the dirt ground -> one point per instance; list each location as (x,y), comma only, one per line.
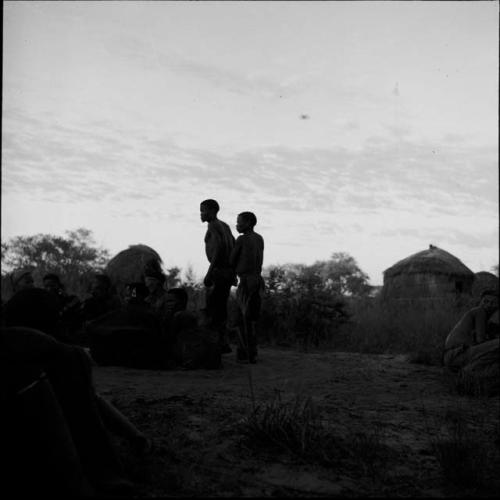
(389,410)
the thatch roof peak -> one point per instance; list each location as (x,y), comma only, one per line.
(434,260)
(140,248)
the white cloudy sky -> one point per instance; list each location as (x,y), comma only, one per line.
(121,117)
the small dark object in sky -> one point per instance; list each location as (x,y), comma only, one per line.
(304,117)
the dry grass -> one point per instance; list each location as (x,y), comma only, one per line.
(292,426)
(461,457)
(418,329)
(460,448)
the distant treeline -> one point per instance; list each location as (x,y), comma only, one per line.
(329,303)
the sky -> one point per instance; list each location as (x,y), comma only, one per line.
(369,128)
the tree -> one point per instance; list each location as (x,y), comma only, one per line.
(173,278)
(71,256)
(342,274)
(495,269)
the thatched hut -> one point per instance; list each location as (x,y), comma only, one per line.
(429,274)
(483,280)
(128,266)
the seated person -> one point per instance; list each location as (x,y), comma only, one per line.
(29,350)
(473,344)
(101,301)
(154,281)
(21,279)
(176,300)
(192,344)
(43,310)
(128,336)
(68,305)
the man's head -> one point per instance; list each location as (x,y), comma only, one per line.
(22,279)
(245,222)
(489,300)
(154,280)
(52,283)
(33,308)
(100,286)
(208,210)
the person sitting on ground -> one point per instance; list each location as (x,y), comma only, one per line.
(176,300)
(156,298)
(21,279)
(129,336)
(28,346)
(36,308)
(473,346)
(101,301)
(246,259)
(69,305)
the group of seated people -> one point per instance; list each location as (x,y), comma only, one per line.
(57,430)
(147,327)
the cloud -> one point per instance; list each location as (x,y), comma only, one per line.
(152,57)
(422,189)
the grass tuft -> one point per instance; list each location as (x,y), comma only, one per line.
(292,426)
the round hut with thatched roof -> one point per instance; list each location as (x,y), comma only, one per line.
(128,266)
(429,274)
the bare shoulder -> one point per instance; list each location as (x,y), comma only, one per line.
(477,312)
(258,237)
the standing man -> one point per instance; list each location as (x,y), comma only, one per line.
(219,242)
(246,259)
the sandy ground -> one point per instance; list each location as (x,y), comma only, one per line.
(387,409)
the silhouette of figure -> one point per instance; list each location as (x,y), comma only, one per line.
(101,300)
(473,347)
(246,259)
(154,281)
(30,352)
(21,279)
(68,305)
(219,242)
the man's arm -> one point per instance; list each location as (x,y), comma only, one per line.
(216,247)
(480,325)
(235,254)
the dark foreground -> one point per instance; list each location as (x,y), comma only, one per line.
(389,428)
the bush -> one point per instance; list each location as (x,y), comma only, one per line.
(416,328)
(301,318)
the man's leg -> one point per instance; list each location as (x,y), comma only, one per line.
(253,316)
(217,312)
(456,358)
(483,367)
(242,353)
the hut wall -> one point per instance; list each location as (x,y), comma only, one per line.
(415,286)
